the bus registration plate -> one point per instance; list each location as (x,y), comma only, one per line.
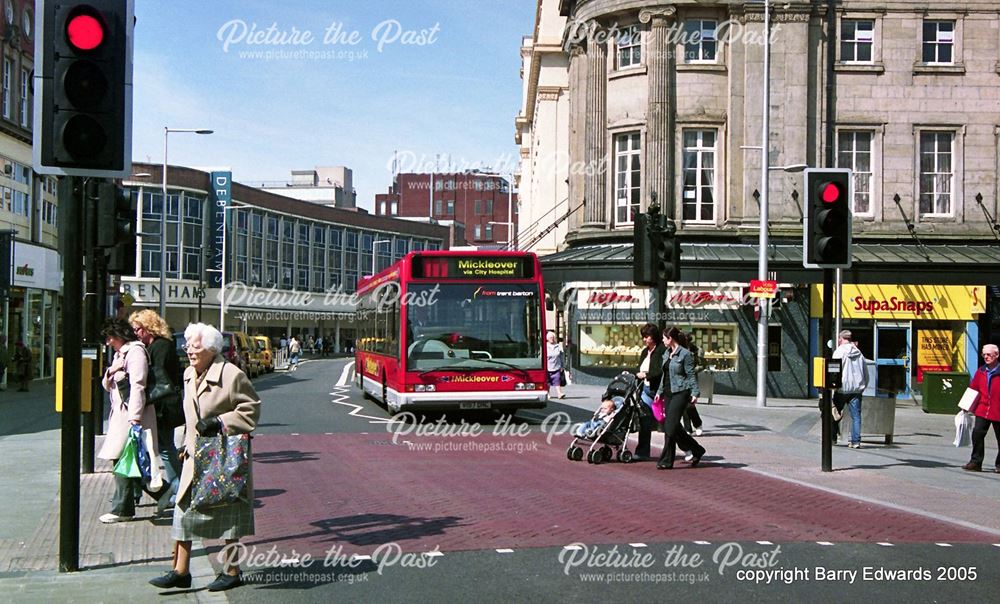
(474,405)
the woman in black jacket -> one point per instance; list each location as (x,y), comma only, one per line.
(153,331)
(650,371)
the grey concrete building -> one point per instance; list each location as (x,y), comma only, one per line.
(667,97)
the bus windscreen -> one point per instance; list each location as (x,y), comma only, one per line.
(473,326)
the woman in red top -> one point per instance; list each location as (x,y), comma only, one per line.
(987,410)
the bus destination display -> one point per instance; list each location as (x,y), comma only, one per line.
(473,267)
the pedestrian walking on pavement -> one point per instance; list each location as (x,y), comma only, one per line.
(125,381)
(987,409)
(223,398)
(294,350)
(556,363)
(650,371)
(853,381)
(679,387)
(692,419)
(165,370)
(23,365)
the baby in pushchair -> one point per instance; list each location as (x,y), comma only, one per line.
(591,429)
(608,429)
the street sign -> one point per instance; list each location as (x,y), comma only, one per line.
(763,289)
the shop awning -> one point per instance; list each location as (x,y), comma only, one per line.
(942,264)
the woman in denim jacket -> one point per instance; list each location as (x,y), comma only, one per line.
(679,387)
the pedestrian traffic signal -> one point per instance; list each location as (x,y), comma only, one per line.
(83,88)
(826,229)
(666,252)
(116,232)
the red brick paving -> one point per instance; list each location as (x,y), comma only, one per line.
(354,491)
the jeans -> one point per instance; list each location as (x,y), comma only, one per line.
(171,465)
(852,401)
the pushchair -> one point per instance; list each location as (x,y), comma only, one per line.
(609,441)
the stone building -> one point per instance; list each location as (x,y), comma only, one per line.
(667,98)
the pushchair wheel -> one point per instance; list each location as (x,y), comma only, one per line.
(625,456)
(594,456)
(606,453)
(574,453)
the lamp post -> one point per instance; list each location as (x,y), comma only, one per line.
(163,216)
(374,251)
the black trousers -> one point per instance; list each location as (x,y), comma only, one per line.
(675,435)
(979,432)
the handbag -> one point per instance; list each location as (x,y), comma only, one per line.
(658,410)
(562,377)
(221,469)
(127,465)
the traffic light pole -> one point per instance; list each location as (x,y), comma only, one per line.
(71,198)
(827,353)
(90,311)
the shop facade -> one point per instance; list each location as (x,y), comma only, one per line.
(31,312)
(604,319)
(908,330)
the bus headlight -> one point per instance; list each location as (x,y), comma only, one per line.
(424,388)
(524,386)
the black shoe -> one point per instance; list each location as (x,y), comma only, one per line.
(224,582)
(663,466)
(172,579)
(638,457)
(973,467)
(696,461)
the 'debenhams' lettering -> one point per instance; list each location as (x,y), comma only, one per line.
(893,304)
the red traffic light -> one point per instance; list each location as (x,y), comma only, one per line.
(85,31)
(829,192)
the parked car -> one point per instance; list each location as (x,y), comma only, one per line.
(266,354)
(247,348)
(230,350)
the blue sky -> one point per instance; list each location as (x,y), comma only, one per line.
(456,95)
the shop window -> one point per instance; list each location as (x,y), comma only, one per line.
(717,343)
(616,346)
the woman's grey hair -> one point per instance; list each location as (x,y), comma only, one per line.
(211,338)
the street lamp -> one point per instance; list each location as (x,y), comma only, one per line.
(374,254)
(163,217)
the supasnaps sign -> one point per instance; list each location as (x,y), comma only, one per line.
(906,302)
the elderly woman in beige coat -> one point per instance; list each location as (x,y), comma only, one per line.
(125,381)
(218,398)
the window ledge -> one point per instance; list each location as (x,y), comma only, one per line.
(859,67)
(925,69)
(937,218)
(627,72)
(720,67)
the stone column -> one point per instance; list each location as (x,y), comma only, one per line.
(596,135)
(659,157)
(577,145)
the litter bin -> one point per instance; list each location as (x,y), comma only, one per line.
(706,384)
(878,416)
(942,390)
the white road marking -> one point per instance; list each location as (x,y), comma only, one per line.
(505,551)
(433,554)
(943,544)
(340,398)
(637,544)
(764,543)
(345,373)
(572,548)
(885,544)
(357,557)
(823,543)
(703,543)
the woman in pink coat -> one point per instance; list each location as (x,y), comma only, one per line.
(125,380)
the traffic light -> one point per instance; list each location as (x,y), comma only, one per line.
(826,231)
(642,253)
(83,88)
(116,232)
(666,251)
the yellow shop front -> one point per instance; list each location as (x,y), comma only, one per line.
(906,330)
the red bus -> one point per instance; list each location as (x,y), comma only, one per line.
(453,330)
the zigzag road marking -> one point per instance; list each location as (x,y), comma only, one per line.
(340,397)
(345,374)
